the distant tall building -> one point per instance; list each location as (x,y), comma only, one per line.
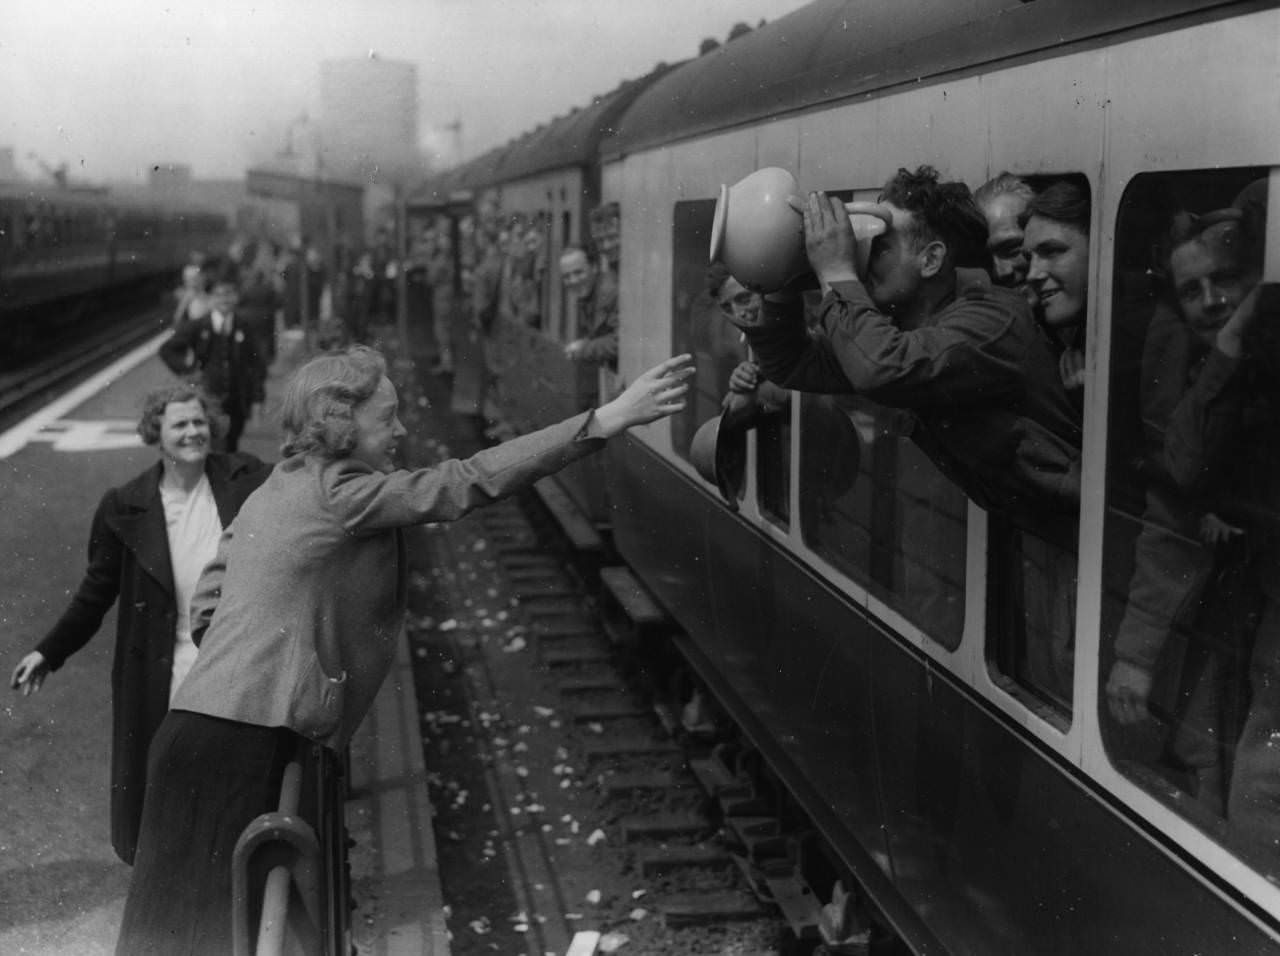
(369,114)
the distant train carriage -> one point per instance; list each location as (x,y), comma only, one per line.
(58,246)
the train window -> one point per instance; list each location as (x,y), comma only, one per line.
(1191,571)
(704,298)
(773,461)
(1032,559)
(564,328)
(700,325)
(875,507)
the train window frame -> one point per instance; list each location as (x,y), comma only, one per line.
(876,573)
(1004,660)
(956,657)
(1164,810)
(691,301)
(773,435)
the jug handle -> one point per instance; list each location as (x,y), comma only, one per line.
(878,210)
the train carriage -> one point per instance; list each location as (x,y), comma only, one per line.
(60,246)
(544,183)
(853,610)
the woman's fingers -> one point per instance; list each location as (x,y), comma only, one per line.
(673,364)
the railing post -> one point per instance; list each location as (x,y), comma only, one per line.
(287,848)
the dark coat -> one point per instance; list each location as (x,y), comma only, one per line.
(129,559)
(231,367)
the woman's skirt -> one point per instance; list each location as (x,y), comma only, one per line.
(207,779)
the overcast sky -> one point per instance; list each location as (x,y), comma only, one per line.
(112,86)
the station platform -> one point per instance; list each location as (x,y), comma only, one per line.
(62,889)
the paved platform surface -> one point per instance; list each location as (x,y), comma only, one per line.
(61,887)
(399,906)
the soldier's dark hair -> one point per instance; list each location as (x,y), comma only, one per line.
(1062,201)
(943,212)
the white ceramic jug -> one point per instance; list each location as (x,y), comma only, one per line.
(760,238)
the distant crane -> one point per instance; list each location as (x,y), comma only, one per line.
(57,173)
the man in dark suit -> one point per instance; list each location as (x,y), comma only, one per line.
(224,355)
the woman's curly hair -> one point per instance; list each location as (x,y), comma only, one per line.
(319,402)
(156,402)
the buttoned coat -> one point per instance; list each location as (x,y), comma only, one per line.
(129,560)
(236,376)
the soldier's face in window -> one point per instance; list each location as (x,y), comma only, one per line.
(578,275)
(894,265)
(606,236)
(739,303)
(1004,239)
(1058,270)
(1210,280)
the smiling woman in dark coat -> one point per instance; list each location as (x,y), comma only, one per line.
(149,541)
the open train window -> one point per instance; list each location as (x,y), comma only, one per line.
(1032,559)
(773,463)
(1191,574)
(700,326)
(875,507)
(704,299)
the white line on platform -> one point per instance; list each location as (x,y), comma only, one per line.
(20,434)
(584,943)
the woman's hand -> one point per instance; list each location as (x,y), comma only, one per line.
(30,673)
(655,394)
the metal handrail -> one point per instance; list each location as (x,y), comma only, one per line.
(298,879)
(275,899)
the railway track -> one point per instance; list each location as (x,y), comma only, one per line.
(609,795)
(69,357)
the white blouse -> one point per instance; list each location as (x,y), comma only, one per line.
(194,528)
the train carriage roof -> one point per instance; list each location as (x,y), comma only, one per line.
(831,50)
(571,140)
(574,140)
(456,184)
